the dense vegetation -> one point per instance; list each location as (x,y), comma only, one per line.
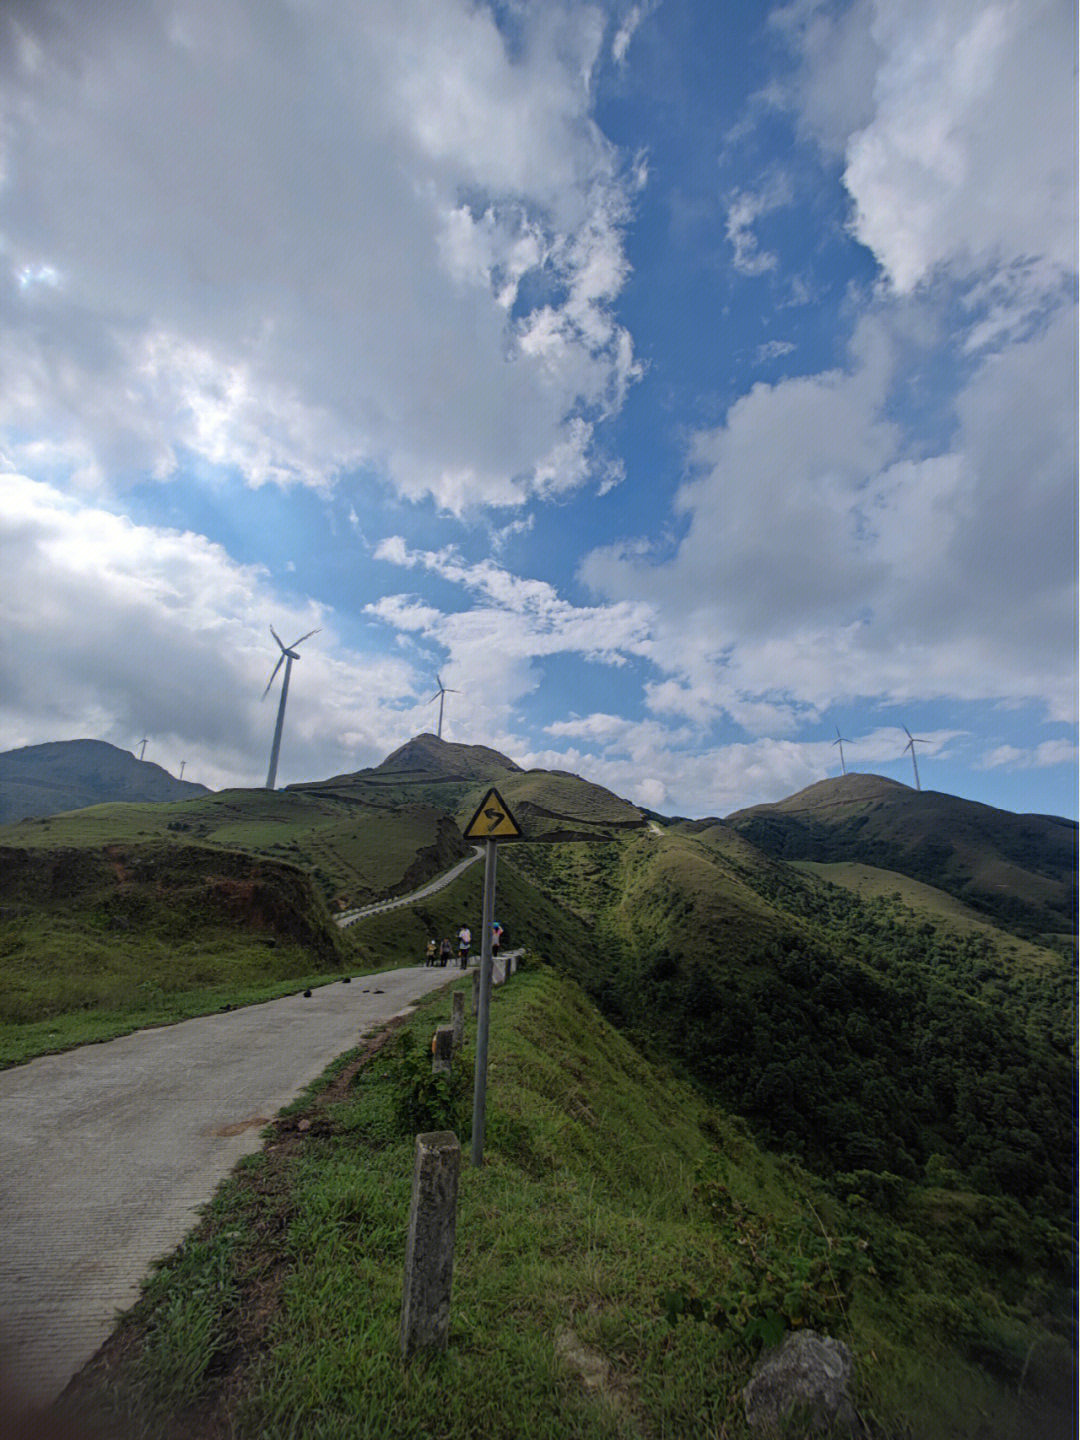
(849,1032)
(1018,869)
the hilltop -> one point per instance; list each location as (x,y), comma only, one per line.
(1018,869)
(548,804)
(72,774)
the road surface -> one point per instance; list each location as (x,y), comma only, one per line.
(350,917)
(109,1151)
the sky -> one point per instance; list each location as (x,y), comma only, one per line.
(683,385)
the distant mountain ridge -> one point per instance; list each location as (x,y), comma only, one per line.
(1019,869)
(48,779)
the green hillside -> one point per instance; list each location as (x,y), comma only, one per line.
(853,1032)
(913,1057)
(1020,870)
(621,1259)
(71,774)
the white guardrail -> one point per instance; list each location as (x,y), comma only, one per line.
(350,917)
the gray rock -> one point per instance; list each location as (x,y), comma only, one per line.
(803,1382)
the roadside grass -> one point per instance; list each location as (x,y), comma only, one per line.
(612,1202)
(69,976)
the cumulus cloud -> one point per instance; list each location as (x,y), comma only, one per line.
(118,630)
(956,120)
(301,240)
(822,562)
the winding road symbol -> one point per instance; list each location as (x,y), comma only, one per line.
(493,820)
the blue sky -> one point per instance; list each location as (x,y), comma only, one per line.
(683,383)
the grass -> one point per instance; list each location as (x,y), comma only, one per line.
(611,1195)
(101,962)
(356,852)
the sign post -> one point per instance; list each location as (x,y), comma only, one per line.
(491,823)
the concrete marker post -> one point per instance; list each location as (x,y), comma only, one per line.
(442,1050)
(480,1084)
(457,1021)
(475,992)
(429,1251)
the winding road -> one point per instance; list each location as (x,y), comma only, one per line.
(350,917)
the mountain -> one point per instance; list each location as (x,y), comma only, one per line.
(799,963)
(72,774)
(548,804)
(1018,869)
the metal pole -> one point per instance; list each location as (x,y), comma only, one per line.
(480,1085)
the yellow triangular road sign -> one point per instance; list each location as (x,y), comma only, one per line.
(492,820)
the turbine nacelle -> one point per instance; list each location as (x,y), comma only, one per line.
(288,652)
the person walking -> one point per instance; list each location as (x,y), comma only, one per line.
(496,937)
(429,954)
(445,951)
(464,940)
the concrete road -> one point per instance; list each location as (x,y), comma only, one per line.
(350,917)
(109,1150)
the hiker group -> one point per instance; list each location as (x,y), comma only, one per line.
(441,952)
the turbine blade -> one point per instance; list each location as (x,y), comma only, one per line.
(302,639)
(434,697)
(277,637)
(277,667)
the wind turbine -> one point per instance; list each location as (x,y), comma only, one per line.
(840,739)
(912,741)
(441,695)
(182,764)
(142,747)
(287,656)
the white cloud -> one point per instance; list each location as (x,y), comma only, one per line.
(117,630)
(295,242)
(1014,757)
(821,564)
(957,121)
(772,350)
(745,208)
(494,648)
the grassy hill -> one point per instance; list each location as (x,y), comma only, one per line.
(912,1056)
(71,774)
(614,1206)
(1020,870)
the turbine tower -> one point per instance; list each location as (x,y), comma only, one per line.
(182,764)
(441,695)
(142,747)
(841,740)
(287,656)
(912,741)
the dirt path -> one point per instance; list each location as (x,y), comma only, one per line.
(110,1149)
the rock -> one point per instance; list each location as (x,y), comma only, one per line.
(803,1380)
(303,1125)
(307,994)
